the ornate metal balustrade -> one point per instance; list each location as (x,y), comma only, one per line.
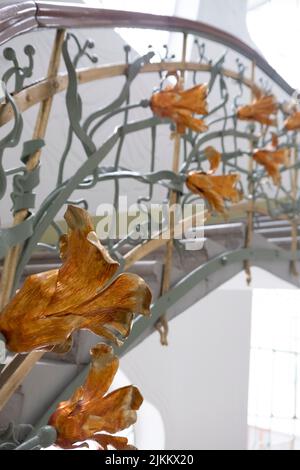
(228,88)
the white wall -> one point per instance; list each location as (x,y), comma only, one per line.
(200,382)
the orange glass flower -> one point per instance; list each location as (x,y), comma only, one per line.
(272,158)
(215,189)
(263,110)
(91,411)
(214,157)
(293,122)
(180,105)
(80,295)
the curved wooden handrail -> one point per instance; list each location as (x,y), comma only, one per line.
(16,18)
(20,16)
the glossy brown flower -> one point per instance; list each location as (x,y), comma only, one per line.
(263,110)
(271,158)
(91,411)
(293,122)
(80,295)
(180,106)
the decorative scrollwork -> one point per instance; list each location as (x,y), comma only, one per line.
(223,126)
(23,185)
(236,142)
(19,74)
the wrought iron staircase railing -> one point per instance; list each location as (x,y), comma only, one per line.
(207,270)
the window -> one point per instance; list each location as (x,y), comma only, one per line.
(274,398)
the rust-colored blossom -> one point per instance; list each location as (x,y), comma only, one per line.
(215,189)
(263,110)
(180,105)
(91,413)
(80,295)
(272,157)
(293,122)
(214,157)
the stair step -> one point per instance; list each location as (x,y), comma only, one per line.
(272,223)
(282,240)
(284,231)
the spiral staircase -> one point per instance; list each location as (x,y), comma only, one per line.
(194,274)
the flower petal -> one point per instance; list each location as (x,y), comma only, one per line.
(215,189)
(214,157)
(281,156)
(51,306)
(117,411)
(225,186)
(40,334)
(89,412)
(114,306)
(118,443)
(260,110)
(194,99)
(23,312)
(293,122)
(103,369)
(179,106)
(271,160)
(184,119)
(87,265)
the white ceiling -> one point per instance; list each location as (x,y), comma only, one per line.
(252,4)
(274,27)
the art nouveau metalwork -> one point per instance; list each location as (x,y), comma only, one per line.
(247,135)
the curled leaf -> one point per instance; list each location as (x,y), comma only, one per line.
(180,105)
(91,413)
(80,295)
(263,110)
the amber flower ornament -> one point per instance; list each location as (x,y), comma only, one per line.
(180,106)
(215,189)
(91,413)
(214,158)
(293,122)
(82,294)
(263,110)
(272,158)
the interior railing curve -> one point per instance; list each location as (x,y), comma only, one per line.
(230,89)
